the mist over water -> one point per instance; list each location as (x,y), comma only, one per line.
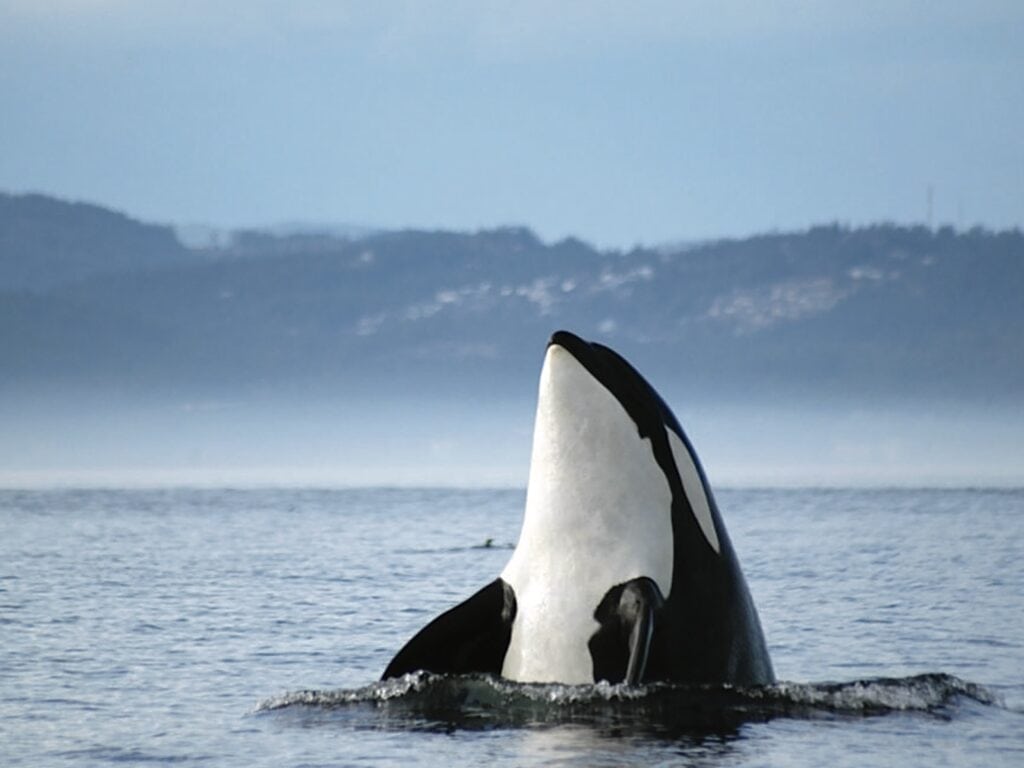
(926,444)
(473,442)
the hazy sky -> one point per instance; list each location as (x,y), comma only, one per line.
(619,122)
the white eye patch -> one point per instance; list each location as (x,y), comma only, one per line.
(694,489)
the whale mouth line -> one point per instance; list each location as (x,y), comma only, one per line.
(424,700)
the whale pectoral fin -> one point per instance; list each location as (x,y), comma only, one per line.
(471,637)
(620,648)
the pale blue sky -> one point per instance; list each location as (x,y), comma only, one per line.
(619,122)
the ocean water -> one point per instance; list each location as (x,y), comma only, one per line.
(248,628)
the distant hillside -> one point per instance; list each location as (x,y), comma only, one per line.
(46,242)
(88,296)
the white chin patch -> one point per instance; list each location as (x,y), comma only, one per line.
(598,513)
(694,488)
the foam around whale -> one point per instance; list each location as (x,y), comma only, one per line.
(473,702)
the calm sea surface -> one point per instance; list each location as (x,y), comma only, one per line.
(247,628)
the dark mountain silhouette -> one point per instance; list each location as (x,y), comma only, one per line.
(89,297)
(46,242)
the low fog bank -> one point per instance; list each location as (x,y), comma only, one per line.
(266,441)
(938,444)
(478,442)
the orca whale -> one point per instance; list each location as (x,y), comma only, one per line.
(624,571)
